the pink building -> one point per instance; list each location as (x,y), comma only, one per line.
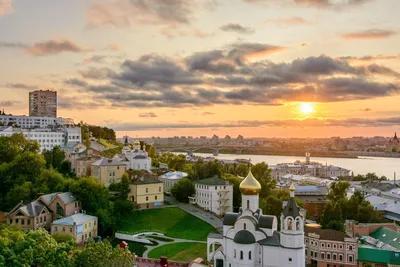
(60,204)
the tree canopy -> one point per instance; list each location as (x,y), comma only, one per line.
(183,189)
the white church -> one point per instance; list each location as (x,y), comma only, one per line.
(252,239)
(136,158)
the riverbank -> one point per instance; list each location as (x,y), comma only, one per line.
(270,153)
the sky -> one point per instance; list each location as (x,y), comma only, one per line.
(259,68)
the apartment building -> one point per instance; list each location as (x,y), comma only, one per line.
(31,216)
(35,122)
(146,192)
(80,226)
(214,194)
(43,103)
(83,166)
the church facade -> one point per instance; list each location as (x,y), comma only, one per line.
(252,239)
(134,158)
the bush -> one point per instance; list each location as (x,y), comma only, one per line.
(62,237)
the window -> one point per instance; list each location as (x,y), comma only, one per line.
(63,228)
(147,190)
(323,245)
(155,197)
(334,257)
(322,256)
(216,188)
(147,198)
(328,256)
(159,189)
(248,204)
(290,259)
(350,248)
(22,221)
(41,219)
(76,204)
(249,255)
(328,245)
(340,246)
(334,246)
(55,228)
(340,257)
(45,218)
(241,255)
(70,229)
(28,222)
(244,226)
(234,253)
(350,258)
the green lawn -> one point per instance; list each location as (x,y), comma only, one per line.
(134,247)
(172,222)
(107,144)
(180,251)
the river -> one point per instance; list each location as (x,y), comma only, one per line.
(362,165)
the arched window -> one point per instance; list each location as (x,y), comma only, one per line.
(234,253)
(289,224)
(244,226)
(241,255)
(248,204)
(297,225)
(249,255)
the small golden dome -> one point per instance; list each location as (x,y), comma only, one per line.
(250,185)
(292,188)
(137,143)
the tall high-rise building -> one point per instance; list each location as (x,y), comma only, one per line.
(43,103)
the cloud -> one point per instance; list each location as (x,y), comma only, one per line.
(287,123)
(314,3)
(5,6)
(21,86)
(122,13)
(382,70)
(366,109)
(370,58)
(231,27)
(4,104)
(96,73)
(13,45)
(369,34)
(95,59)
(76,82)
(292,21)
(147,115)
(52,47)
(249,50)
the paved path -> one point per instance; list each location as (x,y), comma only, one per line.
(199,213)
(160,243)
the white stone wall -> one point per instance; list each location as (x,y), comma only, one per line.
(215,198)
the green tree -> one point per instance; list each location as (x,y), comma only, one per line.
(152,151)
(54,158)
(19,193)
(237,195)
(122,188)
(338,191)
(242,170)
(103,254)
(263,174)
(182,190)
(331,217)
(50,181)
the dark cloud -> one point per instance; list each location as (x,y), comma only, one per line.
(314,3)
(15,45)
(20,86)
(232,27)
(369,34)
(212,62)
(147,115)
(78,102)
(288,123)
(96,73)
(95,59)
(52,47)
(5,104)
(370,57)
(76,82)
(135,12)
(382,70)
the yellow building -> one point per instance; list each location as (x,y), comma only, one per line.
(108,171)
(147,192)
(80,226)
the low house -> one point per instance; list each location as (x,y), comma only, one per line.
(108,171)
(214,194)
(330,248)
(84,165)
(146,192)
(31,216)
(170,179)
(60,204)
(315,199)
(80,226)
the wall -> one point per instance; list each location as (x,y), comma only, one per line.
(142,197)
(102,173)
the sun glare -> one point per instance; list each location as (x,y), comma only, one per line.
(306,108)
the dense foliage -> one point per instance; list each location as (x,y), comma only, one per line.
(182,190)
(37,248)
(98,132)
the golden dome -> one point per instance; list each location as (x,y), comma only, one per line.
(250,185)
(137,143)
(292,188)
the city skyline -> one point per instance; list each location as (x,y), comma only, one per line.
(295,68)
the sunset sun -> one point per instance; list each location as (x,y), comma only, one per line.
(306,108)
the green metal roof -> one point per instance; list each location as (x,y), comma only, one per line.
(371,254)
(212,181)
(387,236)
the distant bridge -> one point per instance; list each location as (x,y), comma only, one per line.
(214,149)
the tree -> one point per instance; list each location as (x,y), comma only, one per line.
(103,254)
(237,195)
(152,151)
(50,181)
(123,188)
(19,193)
(338,191)
(54,158)
(242,170)
(62,237)
(263,174)
(183,189)
(331,217)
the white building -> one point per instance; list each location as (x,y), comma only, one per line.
(73,135)
(46,137)
(35,122)
(135,159)
(214,194)
(252,239)
(170,179)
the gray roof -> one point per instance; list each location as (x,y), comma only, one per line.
(230,218)
(244,237)
(213,181)
(140,157)
(66,197)
(273,240)
(146,180)
(108,162)
(77,219)
(266,221)
(291,209)
(33,208)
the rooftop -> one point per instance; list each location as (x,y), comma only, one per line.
(145,180)
(108,162)
(66,197)
(387,236)
(173,175)
(213,181)
(326,234)
(75,219)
